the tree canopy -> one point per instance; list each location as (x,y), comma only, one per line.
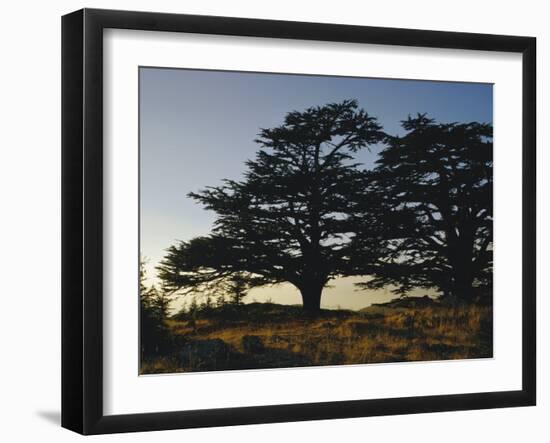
(289,219)
(306,211)
(432,188)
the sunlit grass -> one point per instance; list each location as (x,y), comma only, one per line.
(377,335)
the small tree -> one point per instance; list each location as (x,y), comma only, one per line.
(237,289)
(220,300)
(154,309)
(207,304)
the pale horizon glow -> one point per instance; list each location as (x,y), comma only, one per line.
(197,127)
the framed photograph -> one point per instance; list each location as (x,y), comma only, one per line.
(268,221)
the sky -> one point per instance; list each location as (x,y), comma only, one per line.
(198,127)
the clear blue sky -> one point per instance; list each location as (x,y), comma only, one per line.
(198,127)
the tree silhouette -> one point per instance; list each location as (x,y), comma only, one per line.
(289,219)
(434,222)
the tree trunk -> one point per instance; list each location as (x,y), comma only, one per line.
(463,289)
(461,262)
(311,297)
(462,285)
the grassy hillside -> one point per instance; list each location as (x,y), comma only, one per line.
(266,335)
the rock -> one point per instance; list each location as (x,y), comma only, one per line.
(252,344)
(361,327)
(452,301)
(197,354)
(329,324)
(409,302)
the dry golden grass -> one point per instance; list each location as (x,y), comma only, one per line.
(376,335)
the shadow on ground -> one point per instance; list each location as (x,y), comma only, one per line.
(53,417)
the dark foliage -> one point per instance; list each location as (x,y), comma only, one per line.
(289,219)
(155,338)
(433,226)
(306,212)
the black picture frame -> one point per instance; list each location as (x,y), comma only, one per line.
(82,218)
